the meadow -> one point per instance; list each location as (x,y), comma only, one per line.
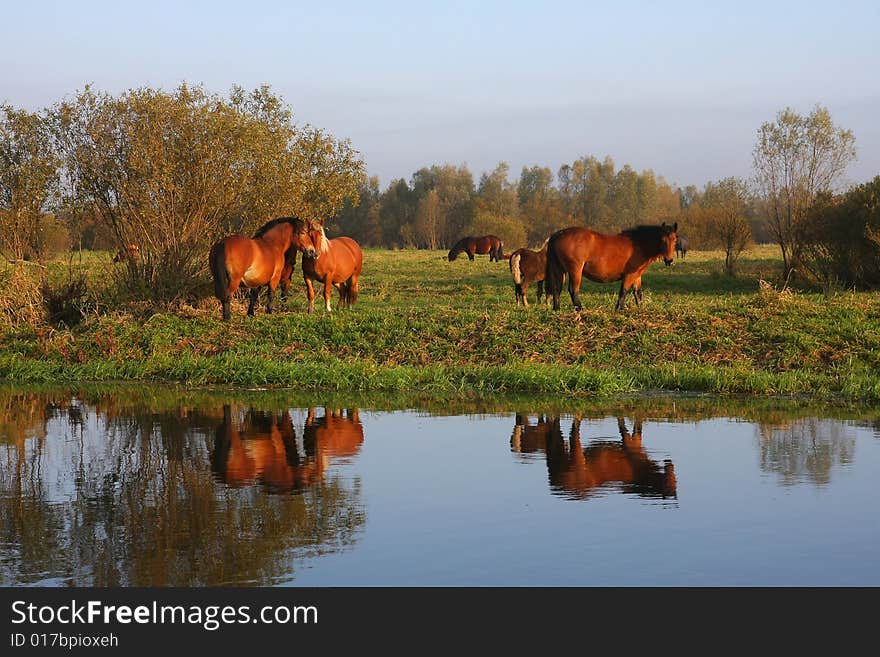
(424,324)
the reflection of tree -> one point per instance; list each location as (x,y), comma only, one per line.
(805,450)
(580,472)
(139,506)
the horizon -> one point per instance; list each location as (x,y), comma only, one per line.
(678,90)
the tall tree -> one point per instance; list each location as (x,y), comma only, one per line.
(725,205)
(28,180)
(796,158)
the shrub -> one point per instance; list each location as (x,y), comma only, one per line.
(841,238)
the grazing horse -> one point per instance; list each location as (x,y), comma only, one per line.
(264,449)
(527,266)
(681,246)
(624,257)
(131,252)
(578,472)
(258,261)
(336,264)
(478,245)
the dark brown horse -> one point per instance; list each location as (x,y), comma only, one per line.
(579,472)
(681,246)
(259,260)
(527,266)
(624,257)
(478,245)
(337,263)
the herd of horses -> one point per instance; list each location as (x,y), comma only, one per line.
(269,257)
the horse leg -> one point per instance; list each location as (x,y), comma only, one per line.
(637,291)
(470,256)
(343,295)
(310,294)
(270,296)
(525,294)
(255,294)
(328,291)
(574,289)
(352,290)
(517,290)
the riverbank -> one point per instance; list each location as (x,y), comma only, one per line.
(425,324)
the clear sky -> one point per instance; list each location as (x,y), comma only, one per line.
(678,87)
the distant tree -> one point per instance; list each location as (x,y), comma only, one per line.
(511,231)
(29,181)
(496,194)
(796,158)
(725,207)
(428,226)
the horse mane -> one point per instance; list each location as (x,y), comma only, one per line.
(325,243)
(276,222)
(644,233)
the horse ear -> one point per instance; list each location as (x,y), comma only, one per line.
(663,225)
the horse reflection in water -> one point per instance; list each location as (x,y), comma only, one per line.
(578,473)
(265,449)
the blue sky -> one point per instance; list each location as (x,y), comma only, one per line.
(678,87)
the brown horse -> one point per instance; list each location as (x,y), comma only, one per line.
(580,252)
(264,450)
(336,264)
(527,266)
(579,472)
(478,245)
(260,260)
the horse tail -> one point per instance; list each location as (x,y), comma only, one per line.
(514,268)
(500,250)
(219,272)
(554,273)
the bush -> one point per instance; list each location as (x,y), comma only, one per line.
(21,302)
(841,238)
(512,232)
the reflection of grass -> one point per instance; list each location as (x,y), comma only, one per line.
(425,324)
(22,404)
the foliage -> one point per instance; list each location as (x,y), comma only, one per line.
(796,158)
(29,180)
(174,171)
(724,207)
(840,238)
(511,231)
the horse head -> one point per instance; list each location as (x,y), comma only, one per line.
(668,239)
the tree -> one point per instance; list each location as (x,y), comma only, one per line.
(28,181)
(428,225)
(496,194)
(796,158)
(725,207)
(174,171)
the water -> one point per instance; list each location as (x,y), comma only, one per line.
(141,486)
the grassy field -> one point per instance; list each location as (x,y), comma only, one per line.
(424,324)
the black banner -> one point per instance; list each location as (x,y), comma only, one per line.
(131,621)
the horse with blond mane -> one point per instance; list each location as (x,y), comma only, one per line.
(259,260)
(336,263)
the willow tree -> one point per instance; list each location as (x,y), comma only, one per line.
(174,171)
(28,180)
(797,158)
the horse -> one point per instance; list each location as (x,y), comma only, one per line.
(478,245)
(681,246)
(338,264)
(527,266)
(578,472)
(264,449)
(131,252)
(259,260)
(624,257)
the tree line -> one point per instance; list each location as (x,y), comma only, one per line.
(174,171)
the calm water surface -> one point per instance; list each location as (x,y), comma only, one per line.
(132,487)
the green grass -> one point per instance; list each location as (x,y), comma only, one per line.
(424,324)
